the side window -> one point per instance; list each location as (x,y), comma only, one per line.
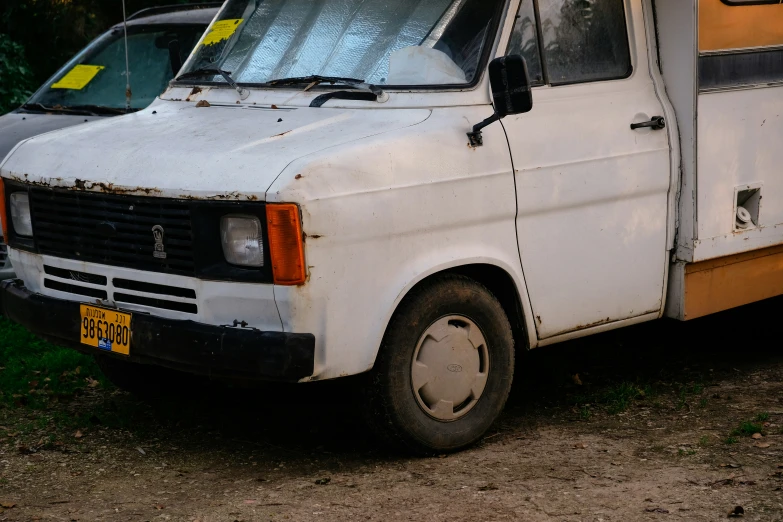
(577,40)
(584,40)
(524,41)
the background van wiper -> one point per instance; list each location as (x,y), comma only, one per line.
(375,92)
(40,107)
(100,109)
(226,75)
(78,110)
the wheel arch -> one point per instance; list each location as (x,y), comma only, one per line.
(500,282)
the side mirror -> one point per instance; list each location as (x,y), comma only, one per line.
(511,92)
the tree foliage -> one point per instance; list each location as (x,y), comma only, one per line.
(48,33)
(16,79)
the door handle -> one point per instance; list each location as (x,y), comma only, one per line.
(657,123)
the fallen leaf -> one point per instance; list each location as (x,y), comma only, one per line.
(250,501)
(757,436)
(656,510)
(203,103)
(160,507)
(78,434)
(92,383)
(141,451)
(274,106)
(738,511)
(762,445)
(576,379)
(580,445)
(323,481)
(7,505)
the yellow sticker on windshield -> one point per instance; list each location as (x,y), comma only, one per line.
(78,77)
(222,30)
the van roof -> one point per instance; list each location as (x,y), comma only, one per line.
(201,14)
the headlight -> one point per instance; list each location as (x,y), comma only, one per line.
(20,214)
(243,242)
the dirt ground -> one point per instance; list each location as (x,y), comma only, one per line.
(645,423)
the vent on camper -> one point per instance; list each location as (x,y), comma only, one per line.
(747,207)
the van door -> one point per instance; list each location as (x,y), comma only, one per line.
(592,192)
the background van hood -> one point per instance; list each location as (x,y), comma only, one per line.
(18,126)
(179,150)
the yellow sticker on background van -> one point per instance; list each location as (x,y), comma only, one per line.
(222,30)
(79,77)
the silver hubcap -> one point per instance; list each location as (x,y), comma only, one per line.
(450,368)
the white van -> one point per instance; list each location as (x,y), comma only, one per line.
(324,191)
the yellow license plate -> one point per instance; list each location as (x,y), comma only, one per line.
(106,330)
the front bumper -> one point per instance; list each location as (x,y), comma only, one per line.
(218,351)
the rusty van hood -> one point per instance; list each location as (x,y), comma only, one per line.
(179,150)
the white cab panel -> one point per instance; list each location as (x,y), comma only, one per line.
(593,198)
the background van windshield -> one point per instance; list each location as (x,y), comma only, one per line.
(96,77)
(384,42)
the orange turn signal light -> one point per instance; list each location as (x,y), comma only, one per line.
(286,246)
(3,214)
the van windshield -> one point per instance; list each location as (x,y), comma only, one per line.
(383,42)
(95,78)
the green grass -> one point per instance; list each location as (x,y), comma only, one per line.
(747,428)
(34,373)
(704,441)
(762,417)
(618,398)
(731,440)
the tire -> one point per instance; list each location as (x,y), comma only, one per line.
(141,380)
(456,314)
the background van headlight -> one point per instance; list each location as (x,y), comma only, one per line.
(20,214)
(243,242)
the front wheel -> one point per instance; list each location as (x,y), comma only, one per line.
(445,367)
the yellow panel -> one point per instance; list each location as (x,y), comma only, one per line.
(77,78)
(725,283)
(724,26)
(222,30)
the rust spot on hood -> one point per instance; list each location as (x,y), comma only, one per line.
(92,186)
(195,91)
(110,188)
(231,196)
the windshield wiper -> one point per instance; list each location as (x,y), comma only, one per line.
(375,94)
(315,80)
(226,75)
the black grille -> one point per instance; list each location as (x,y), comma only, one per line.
(3,253)
(113,230)
(75,289)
